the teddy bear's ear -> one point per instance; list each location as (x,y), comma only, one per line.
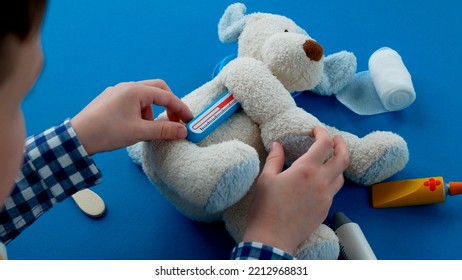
(232,23)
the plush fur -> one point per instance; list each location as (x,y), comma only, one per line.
(213,180)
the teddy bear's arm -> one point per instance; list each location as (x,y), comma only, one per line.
(339,69)
(253,85)
(204,95)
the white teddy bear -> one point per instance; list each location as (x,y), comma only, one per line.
(212,180)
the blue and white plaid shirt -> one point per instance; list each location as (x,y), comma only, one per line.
(258,251)
(55,167)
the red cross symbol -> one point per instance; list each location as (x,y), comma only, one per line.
(432,184)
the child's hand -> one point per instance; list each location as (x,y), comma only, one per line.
(289,205)
(122,115)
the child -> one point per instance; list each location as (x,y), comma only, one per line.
(57,163)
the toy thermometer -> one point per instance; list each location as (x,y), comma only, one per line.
(213,116)
(413,192)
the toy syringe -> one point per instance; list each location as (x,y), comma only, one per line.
(413,192)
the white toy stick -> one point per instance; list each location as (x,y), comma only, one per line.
(90,203)
(3,255)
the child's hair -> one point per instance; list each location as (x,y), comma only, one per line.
(17,18)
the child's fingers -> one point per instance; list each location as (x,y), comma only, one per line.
(321,149)
(156,83)
(340,159)
(275,160)
(162,97)
(166,130)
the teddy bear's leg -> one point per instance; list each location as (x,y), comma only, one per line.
(339,70)
(235,217)
(374,157)
(323,244)
(211,178)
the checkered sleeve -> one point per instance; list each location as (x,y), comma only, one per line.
(258,251)
(55,166)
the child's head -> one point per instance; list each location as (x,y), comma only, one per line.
(19,20)
(21,60)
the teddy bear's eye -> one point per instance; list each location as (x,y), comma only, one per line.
(286,30)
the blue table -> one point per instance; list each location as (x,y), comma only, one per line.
(90,45)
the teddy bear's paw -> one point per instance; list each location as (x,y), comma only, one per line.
(376,157)
(323,244)
(233,184)
(295,146)
(339,70)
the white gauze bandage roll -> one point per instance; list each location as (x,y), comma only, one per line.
(391,79)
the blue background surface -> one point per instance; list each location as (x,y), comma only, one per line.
(90,45)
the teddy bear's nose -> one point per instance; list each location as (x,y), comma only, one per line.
(313,50)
